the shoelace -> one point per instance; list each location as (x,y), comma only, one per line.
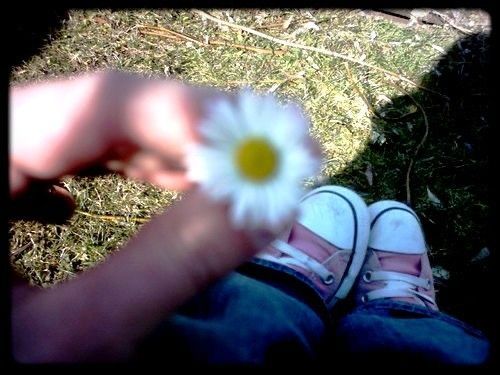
(397,285)
(298,258)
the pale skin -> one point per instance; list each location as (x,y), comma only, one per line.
(140,128)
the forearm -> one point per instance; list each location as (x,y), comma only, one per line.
(101,314)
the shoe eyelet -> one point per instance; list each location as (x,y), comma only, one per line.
(329,279)
(367,277)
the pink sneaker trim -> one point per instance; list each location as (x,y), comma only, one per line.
(313,246)
(397,265)
(342,216)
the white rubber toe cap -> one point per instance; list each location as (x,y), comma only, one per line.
(336,214)
(395,228)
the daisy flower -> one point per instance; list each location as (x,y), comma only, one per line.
(253,155)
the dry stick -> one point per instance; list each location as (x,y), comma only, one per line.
(248,48)
(114,218)
(419,146)
(19,250)
(417,149)
(274,81)
(159,34)
(172,32)
(371,108)
(358,90)
(450,22)
(290,78)
(167,33)
(315,49)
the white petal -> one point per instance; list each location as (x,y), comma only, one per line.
(241,206)
(222,124)
(249,107)
(253,205)
(299,164)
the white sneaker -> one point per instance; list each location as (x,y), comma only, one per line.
(397,265)
(327,243)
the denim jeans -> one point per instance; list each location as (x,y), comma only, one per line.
(268,314)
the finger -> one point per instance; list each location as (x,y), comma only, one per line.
(94,118)
(167,180)
(171,180)
(148,167)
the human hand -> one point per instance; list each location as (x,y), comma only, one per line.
(109,120)
(140,128)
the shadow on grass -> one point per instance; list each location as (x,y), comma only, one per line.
(453,164)
(33,28)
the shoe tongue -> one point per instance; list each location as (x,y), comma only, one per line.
(403,263)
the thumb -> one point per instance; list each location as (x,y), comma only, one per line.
(196,241)
(179,252)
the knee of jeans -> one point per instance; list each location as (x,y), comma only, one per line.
(430,340)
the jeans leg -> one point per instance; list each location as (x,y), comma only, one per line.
(388,332)
(238,320)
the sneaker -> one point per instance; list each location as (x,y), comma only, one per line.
(327,243)
(397,265)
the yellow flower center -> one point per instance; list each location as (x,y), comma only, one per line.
(256,159)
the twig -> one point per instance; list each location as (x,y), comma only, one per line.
(449,21)
(113,217)
(160,35)
(14,253)
(274,81)
(278,84)
(314,49)
(171,34)
(358,90)
(371,108)
(419,146)
(248,48)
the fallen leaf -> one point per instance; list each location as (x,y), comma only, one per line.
(305,27)
(412,109)
(433,198)
(287,23)
(310,60)
(357,46)
(420,13)
(438,48)
(100,20)
(376,137)
(310,26)
(369,174)
(230,19)
(383,99)
(440,272)
(483,254)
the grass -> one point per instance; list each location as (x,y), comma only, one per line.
(365,121)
